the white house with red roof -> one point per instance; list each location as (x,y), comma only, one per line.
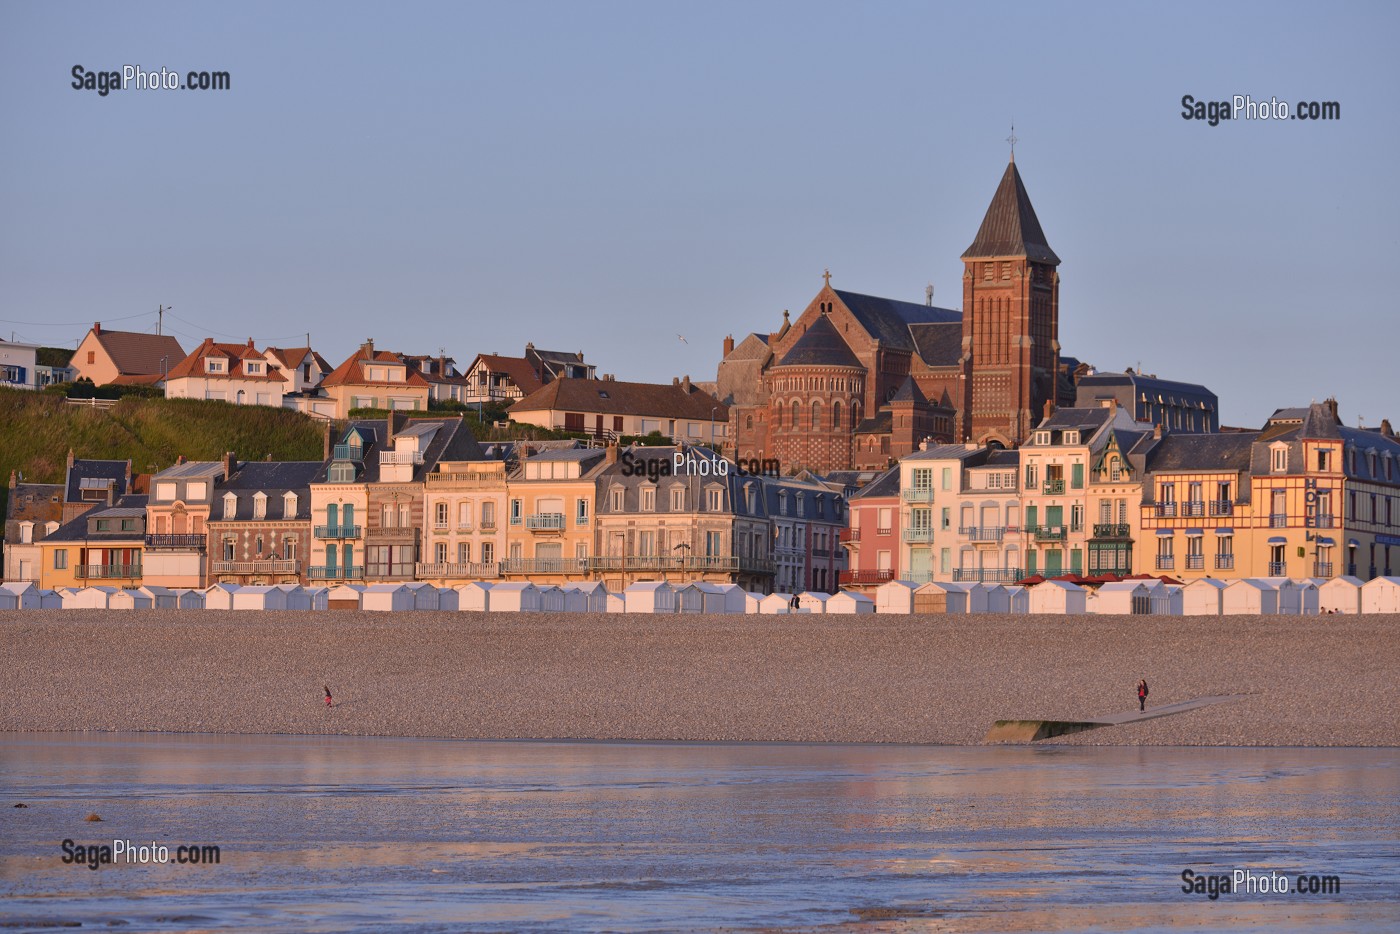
(237,373)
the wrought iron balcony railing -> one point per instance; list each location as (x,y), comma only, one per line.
(1224,562)
(545,522)
(984,533)
(1048,533)
(1055,487)
(108,571)
(1112,530)
(337,531)
(865,577)
(1222,507)
(1278,568)
(351,572)
(1166,562)
(264,566)
(989,575)
(1278,520)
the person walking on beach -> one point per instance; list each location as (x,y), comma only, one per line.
(794,604)
(328,694)
(1142,695)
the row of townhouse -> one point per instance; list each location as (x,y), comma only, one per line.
(1095,493)
(419,499)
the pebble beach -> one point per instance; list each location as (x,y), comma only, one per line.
(1310,681)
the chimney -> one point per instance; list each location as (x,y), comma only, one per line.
(326,442)
(368,346)
(14,480)
(70,458)
(97,327)
(728,344)
(1112,406)
(250,344)
(1331,405)
(685,383)
(675,380)
(1385,428)
(230,462)
(610,455)
(1157,431)
(1049,407)
(128,475)
(442,365)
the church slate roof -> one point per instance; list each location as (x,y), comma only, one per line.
(1010,227)
(909,392)
(888,320)
(821,346)
(938,344)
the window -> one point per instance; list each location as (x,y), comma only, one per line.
(1322,459)
(228,549)
(488,552)
(260,505)
(516,508)
(581,512)
(648,494)
(92,356)
(165,492)
(1042,437)
(1071,437)
(60,555)
(464,552)
(289,549)
(615,499)
(464,514)
(230,505)
(946,518)
(289,506)
(1076,517)
(714,499)
(1030,476)
(26,533)
(128,525)
(947,478)
(1279,458)
(341,473)
(440,553)
(440,516)
(104,525)
(488,515)
(258,549)
(1076,477)
(677,498)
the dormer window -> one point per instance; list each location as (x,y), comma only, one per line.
(260,505)
(1278,458)
(648,499)
(254,368)
(1071,437)
(289,505)
(678,498)
(1042,437)
(616,498)
(341,473)
(214,366)
(801,503)
(714,499)
(230,505)
(1324,459)
(26,533)
(782,503)
(1371,463)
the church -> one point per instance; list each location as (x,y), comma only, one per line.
(857,381)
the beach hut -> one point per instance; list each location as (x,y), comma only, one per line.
(515,597)
(448,599)
(1249,597)
(89,598)
(387,598)
(295,595)
(984,597)
(259,597)
(734,598)
(617,603)
(551,599)
(1121,598)
(1308,600)
(1202,597)
(895,597)
(650,597)
(850,601)
(812,601)
(1059,597)
(700,597)
(188,599)
(474,596)
(345,597)
(317,596)
(8,600)
(162,598)
(1018,599)
(1381,595)
(425,595)
(593,594)
(220,596)
(752,601)
(129,600)
(775,604)
(27,595)
(940,597)
(575,601)
(1163,599)
(1340,595)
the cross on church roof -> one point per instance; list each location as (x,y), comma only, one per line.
(826,274)
(1013,141)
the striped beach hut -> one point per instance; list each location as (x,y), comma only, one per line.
(189,599)
(318,596)
(733,598)
(850,601)
(448,599)
(28,596)
(1018,599)
(474,596)
(295,596)
(8,600)
(551,599)
(162,598)
(594,594)
(425,595)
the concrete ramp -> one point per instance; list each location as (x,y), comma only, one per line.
(1028,731)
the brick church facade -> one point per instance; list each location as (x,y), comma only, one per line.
(857,381)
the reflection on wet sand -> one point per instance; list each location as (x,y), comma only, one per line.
(339,833)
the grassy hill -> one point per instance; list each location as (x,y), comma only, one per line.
(36,431)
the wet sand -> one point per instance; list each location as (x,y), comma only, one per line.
(1319,681)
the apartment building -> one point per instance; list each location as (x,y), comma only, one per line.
(465,504)
(104,546)
(807,519)
(260,530)
(549,520)
(177,516)
(872,539)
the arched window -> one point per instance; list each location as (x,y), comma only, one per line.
(816,414)
(793,426)
(855,414)
(836,415)
(748,421)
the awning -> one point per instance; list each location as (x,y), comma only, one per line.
(1354,543)
(1224,531)
(1164,532)
(1278,540)
(1324,540)
(1195,531)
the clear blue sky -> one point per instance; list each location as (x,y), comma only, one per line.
(604,176)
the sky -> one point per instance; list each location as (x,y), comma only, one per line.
(613,177)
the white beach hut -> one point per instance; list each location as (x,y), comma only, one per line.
(188,599)
(1061,598)
(259,597)
(1202,597)
(295,596)
(940,597)
(220,596)
(1340,595)
(1308,600)
(27,595)
(650,597)
(515,597)
(733,598)
(1381,595)
(345,597)
(895,597)
(551,599)
(850,601)
(775,604)
(617,603)
(89,598)
(1249,597)
(387,598)
(425,595)
(129,600)
(1163,599)
(317,596)
(474,596)
(575,601)
(812,601)
(448,599)
(700,597)
(162,598)
(984,597)
(752,601)
(1121,598)
(1018,599)
(594,596)
(8,599)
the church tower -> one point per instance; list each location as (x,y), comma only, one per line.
(1011,320)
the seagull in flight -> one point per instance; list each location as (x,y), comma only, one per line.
(682,339)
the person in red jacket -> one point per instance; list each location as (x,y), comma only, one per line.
(328,694)
(1141,688)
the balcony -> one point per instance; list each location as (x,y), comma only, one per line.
(1166,510)
(921,534)
(1322,569)
(1224,562)
(1278,520)
(923,495)
(1278,568)
(474,571)
(1324,521)
(1166,562)
(865,577)
(821,553)
(393,533)
(544,566)
(1112,530)
(680,563)
(1195,562)
(1222,507)
(176,541)
(889,531)
(348,452)
(1055,487)
(351,572)
(1047,533)
(400,457)
(850,536)
(992,533)
(988,575)
(545,522)
(266,566)
(466,480)
(1195,509)
(107,572)
(337,531)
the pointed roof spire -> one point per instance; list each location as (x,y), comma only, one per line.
(909,391)
(1010,227)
